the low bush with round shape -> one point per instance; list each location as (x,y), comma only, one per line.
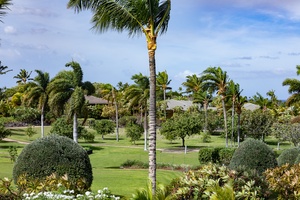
(55,155)
(255,155)
(288,156)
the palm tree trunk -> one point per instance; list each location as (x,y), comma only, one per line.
(75,132)
(239,127)
(42,121)
(232,121)
(225,121)
(165,107)
(117,114)
(152,120)
(205,112)
(145,130)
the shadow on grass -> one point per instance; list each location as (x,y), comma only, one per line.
(110,138)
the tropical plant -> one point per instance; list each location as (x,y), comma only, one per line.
(38,92)
(162,81)
(23,76)
(54,155)
(3,69)
(3,7)
(30,131)
(233,92)
(149,17)
(182,125)
(284,180)
(104,127)
(137,96)
(215,79)
(288,156)
(257,124)
(4,132)
(193,84)
(67,88)
(263,103)
(240,101)
(204,98)
(294,89)
(133,131)
(255,155)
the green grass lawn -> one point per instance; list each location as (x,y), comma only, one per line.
(108,156)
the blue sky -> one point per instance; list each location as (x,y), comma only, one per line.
(256,42)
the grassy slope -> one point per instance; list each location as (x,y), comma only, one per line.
(108,155)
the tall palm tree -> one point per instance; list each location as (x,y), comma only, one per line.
(294,89)
(3,7)
(204,98)
(193,83)
(38,92)
(240,101)
(23,76)
(263,103)
(149,17)
(3,68)
(137,95)
(215,79)
(163,81)
(68,87)
(233,92)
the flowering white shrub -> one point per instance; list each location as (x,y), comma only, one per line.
(104,194)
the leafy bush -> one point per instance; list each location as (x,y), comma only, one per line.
(225,155)
(207,155)
(13,153)
(216,155)
(253,154)
(4,132)
(30,131)
(284,180)
(62,127)
(205,137)
(202,184)
(26,114)
(54,155)
(104,127)
(123,121)
(134,132)
(288,156)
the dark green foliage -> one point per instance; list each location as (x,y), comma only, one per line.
(30,131)
(257,124)
(104,127)
(54,155)
(95,111)
(225,155)
(198,184)
(207,155)
(26,114)
(134,132)
(64,128)
(253,154)
(216,155)
(4,132)
(13,153)
(123,121)
(182,125)
(288,156)
(214,122)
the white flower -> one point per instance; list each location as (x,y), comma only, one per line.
(87,193)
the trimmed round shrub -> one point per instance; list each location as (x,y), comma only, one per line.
(57,155)
(253,154)
(288,156)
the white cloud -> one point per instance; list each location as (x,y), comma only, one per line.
(182,75)
(10,30)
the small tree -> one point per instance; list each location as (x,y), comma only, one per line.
(3,131)
(257,124)
(134,131)
(30,131)
(182,125)
(104,127)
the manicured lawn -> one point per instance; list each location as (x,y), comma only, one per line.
(108,156)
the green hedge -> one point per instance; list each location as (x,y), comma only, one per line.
(216,155)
